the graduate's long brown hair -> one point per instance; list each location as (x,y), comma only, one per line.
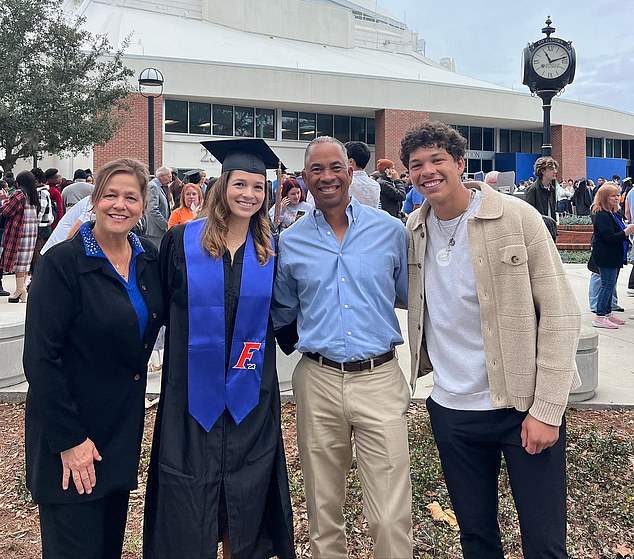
(217,212)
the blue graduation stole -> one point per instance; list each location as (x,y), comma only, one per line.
(211,388)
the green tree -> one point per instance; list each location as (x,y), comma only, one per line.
(62,89)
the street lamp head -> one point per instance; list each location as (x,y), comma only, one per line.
(151,83)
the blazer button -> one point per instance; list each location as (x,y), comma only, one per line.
(143,287)
(137,377)
(154,315)
(145,346)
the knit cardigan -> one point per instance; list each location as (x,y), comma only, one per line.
(529,315)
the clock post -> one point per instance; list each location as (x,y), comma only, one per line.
(548,66)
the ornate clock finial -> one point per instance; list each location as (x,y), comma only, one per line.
(548,30)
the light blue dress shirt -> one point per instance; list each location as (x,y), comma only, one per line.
(342,295)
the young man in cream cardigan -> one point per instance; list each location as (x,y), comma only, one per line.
(492,314)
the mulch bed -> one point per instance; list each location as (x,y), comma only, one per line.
(600,491)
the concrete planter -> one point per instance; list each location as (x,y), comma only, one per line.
(587,364)
(11,348)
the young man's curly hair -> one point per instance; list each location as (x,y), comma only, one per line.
(432,134)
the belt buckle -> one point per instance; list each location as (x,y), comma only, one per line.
(342,367)
(371,364)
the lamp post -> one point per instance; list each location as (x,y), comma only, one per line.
(150,86)
(548,66)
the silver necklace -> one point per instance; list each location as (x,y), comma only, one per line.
(443,256)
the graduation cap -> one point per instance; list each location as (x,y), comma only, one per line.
(250,155)
(193,176)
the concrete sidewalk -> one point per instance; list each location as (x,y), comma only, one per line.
(616,349)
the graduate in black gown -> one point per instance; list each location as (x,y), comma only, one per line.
(217,470)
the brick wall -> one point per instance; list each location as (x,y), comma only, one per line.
(131,140)
(391,125)
(569,149)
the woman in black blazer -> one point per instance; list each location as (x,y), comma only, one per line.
(609,250)
(94,311)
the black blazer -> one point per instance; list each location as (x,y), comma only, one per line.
(607,242)
(87,368)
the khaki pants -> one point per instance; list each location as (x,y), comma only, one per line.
(372,405)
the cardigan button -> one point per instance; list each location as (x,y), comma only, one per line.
(137,377)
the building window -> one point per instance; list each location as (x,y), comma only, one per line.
(618,148)
(244,118)
(538,139)
(464,132)
(199,118)
(324,125)
(342,128)
(307,126)
(175,116)
(609,147)
(265,123)
(222,120)
(588,146)
(505,141)
(357,129)
(488,143)
(516,141)
(597,147)
(289,125)
(371,132)
(475,138)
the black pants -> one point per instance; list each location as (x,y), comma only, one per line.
(91,530)
(471,444)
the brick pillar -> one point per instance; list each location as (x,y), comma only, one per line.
(569,149)
(391,125)
(131,139)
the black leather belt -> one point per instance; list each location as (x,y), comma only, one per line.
(353,366)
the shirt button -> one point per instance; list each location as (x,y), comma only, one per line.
(343,279)
(419,265)
(137,377)
(346,306)
(349,333)
(515,259)
(327,232)
(418,326)
(341,254)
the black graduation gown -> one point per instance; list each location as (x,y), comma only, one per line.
(188,466)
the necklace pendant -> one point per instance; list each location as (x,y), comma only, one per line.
(443,257)
(452,242)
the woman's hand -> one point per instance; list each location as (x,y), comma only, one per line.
(629,230)
(284,202)
(79,461)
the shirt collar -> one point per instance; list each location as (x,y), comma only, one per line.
(92,248)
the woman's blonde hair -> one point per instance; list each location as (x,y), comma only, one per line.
(123,165)
(217,213)
(601,199)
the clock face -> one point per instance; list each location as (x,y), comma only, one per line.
(550,61)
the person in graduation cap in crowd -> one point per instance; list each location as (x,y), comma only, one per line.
(217,469)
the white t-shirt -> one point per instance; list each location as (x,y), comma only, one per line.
(81,211)
(452,316)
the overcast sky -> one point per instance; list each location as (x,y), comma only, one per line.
(486,38)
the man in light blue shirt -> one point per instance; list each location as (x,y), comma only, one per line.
(340,271)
